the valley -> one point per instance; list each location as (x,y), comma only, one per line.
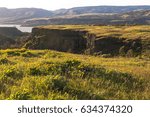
(69,62)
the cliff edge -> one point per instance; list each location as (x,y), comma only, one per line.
(87,39)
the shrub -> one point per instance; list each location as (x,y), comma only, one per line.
(65,68)
(20,95)
(56,83)
(34,71)
(27,54)
(13,53)
(4,61)
(71,63)
(53,55)
(13,73)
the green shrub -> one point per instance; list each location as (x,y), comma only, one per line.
(28,54)
(4,61)
(13,73)
(69,64)
(56,83)
(13,53)
(65,69)
(53,55)
(34,71)
(21,95)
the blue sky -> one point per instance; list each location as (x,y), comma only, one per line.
(57,4)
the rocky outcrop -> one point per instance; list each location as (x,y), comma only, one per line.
(11,37)
(11,32)
(6,42)
(80,41)
(61,40)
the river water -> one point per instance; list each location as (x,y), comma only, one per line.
(19,27)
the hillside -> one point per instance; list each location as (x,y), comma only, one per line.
(11,32)
(77,15)
(11,37)
(99,19)
(85,39)
(44,74)
(21,14)
(99,9)
(139,17)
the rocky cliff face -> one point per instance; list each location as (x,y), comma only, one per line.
(6,42)
(55,39)
(11,37)
(11,32)
(80,41)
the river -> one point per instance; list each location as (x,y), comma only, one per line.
(19,27)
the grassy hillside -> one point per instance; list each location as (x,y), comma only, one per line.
(128,32)
(45,74)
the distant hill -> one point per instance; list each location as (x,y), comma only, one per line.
(136,15)
(77,15)
(99,9)
(131,18)
(21,14)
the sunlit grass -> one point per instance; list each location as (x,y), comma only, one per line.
(45,74)
(129,32)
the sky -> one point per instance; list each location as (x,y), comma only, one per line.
(58,4)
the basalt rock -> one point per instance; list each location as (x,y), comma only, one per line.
(80,41)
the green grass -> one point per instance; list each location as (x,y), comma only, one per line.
(127,32)
(45,74)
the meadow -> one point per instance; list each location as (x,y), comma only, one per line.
(46,74)
(126,32)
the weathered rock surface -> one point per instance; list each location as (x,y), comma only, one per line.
(81,41)
(11,32)
(61,40)
(11,37)
(5,42)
